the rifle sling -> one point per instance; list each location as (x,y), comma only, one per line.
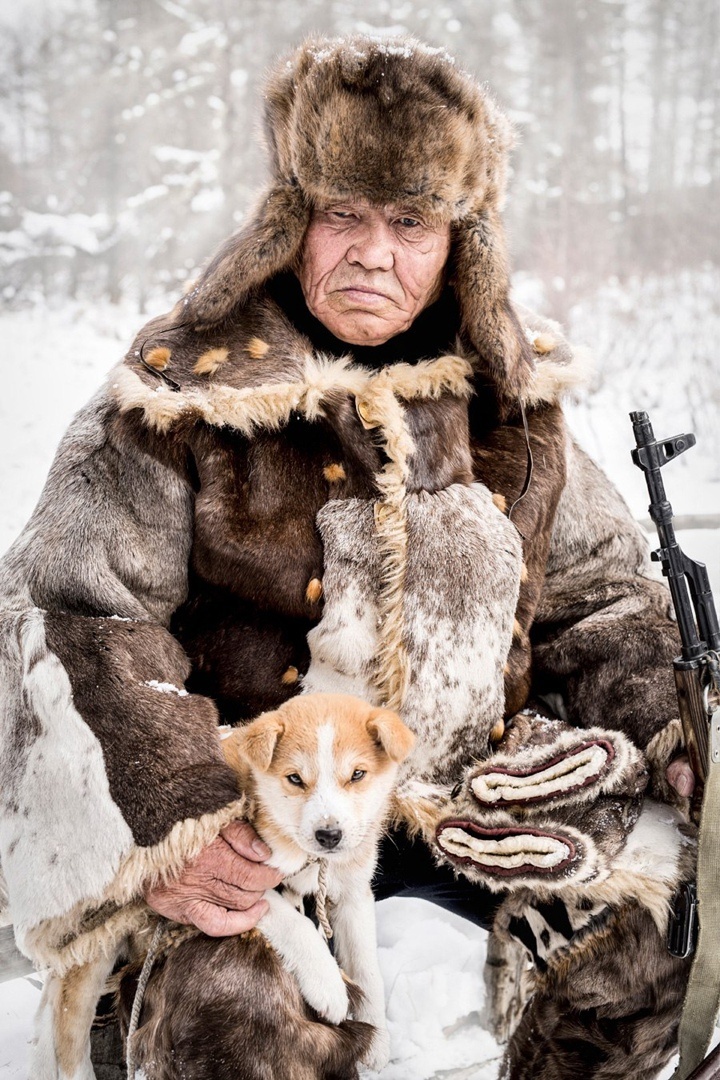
(702,999)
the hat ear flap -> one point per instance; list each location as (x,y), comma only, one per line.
(268,244)
(482,285)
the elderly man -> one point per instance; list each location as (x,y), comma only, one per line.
(173,568)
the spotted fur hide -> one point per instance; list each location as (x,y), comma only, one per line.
(94,800)
(458,596)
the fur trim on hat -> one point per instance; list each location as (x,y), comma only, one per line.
(391,123)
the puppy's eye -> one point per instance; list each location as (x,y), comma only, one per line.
(295,779)
(357,775)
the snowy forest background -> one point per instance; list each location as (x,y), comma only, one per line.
(129,147)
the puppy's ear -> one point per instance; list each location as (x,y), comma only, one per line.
(389,732)
(256,742)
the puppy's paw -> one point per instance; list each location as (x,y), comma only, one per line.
(325,991)
(378,1055)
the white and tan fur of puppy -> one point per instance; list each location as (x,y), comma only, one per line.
(319,774)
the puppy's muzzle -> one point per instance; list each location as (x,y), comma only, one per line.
(328,838)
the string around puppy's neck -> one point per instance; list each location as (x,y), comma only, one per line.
(321,900)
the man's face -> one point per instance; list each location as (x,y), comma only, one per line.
(367,272)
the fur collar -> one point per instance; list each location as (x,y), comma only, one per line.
(252,373)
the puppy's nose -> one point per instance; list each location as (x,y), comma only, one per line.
(328,838)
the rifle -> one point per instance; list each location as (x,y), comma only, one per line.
(697,669)
(697,678)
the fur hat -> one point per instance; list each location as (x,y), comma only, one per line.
(390,122)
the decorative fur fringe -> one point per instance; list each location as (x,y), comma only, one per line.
(269,405)
(555,379)
(380,408)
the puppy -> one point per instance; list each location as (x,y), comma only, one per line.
(318,773)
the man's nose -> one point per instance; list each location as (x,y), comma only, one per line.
(373,246)
(329,838)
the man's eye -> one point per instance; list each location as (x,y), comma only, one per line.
(295,779)
(409,223)
(357,775)
(341,214)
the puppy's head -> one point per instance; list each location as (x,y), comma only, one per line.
(322,767)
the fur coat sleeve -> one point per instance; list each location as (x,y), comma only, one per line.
(111,774)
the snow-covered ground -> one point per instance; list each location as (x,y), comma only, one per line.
(432,961)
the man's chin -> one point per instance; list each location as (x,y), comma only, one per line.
(362,327)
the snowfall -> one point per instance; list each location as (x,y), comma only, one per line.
(432,962)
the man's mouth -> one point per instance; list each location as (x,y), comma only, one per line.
(363,292)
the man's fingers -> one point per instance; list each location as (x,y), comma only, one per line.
(222,885)
(227,895)
(680,776)
(243,839)
(218,922)
(253,877)
(219,862)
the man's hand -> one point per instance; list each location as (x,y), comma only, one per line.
(221,890)
(680,776)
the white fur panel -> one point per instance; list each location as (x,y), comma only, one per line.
(654,845)
(62,838)
(458,599)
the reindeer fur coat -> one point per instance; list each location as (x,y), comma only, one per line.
(204,507)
